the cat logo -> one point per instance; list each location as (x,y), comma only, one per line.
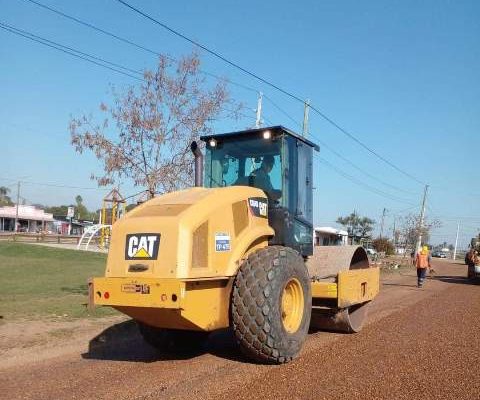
(142,246)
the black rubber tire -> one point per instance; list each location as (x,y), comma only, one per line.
(172,340)
(256,305)
(471,272)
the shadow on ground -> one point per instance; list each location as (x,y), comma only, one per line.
(457,279)
(414,285)
(123,342)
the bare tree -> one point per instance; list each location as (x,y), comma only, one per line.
(410,230)
(153,125)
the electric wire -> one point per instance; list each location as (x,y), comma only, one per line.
(322,143)
(64,50)
(134,44)
(360,183)
(138,72)
(142,47)
(57,185)
(88,57)
(274,86)
(89,25)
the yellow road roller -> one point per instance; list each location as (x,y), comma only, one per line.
(236,251)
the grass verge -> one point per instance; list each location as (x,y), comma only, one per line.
(42,282)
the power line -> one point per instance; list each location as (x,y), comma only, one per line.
(87,57)
(360,183)
(337,153)
(57,185)
(267,82)
(138,72)
(132,43)
(127,41)
(64,49)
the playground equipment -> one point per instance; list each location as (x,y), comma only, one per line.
(89,233)
(113,209)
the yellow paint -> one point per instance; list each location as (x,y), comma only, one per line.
(324,290)
(167,303)
(189,284)
(357,286)
(188,264)
(293,303)
(176,217)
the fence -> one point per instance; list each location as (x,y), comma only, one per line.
(39,237)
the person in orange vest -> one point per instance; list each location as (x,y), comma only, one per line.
(422,262)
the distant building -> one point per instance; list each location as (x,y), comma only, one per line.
(64,226)
(30,219)
(327,236)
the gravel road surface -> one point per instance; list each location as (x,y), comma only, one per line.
(418,343)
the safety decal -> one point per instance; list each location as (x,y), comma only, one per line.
(222,242)
(142,246)
(258,206)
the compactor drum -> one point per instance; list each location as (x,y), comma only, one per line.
(236,251)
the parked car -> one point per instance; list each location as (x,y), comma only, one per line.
(439,254)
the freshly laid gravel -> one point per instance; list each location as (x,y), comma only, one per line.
(417,344)
(428,351)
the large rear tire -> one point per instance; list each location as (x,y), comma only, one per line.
(271,305)
(172,340)
(471,273)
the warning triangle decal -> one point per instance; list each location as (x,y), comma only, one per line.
(142,253)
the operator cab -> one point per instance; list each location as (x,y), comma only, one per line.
(279,162)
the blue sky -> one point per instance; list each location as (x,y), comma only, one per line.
(402,76)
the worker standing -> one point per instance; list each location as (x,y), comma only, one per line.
(422,262)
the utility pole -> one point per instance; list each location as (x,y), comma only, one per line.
(258,121)
(305,117)
(422,218)
(456,242)
(383,222)
(394,229)
(16,209)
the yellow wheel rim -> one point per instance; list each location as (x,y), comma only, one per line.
(292,305)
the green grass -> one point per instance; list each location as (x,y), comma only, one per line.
(40,282)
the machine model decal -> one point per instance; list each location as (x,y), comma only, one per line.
(135,288)
(258,206)
(142,246)
(222,242)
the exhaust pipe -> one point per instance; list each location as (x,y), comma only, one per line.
(198,163)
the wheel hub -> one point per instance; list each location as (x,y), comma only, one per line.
(292,305)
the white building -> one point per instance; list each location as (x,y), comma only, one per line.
(327,236)
(30,219)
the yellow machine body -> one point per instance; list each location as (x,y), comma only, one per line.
(200,237)
(178,270)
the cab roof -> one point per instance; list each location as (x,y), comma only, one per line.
(252,132)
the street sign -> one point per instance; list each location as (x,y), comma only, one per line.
(70,212)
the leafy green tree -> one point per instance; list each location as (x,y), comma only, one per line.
(81,211)
(357,226)
(5,199)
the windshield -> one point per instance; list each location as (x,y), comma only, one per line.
(249,161)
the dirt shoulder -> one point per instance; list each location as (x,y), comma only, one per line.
(117,364)
(24,342)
